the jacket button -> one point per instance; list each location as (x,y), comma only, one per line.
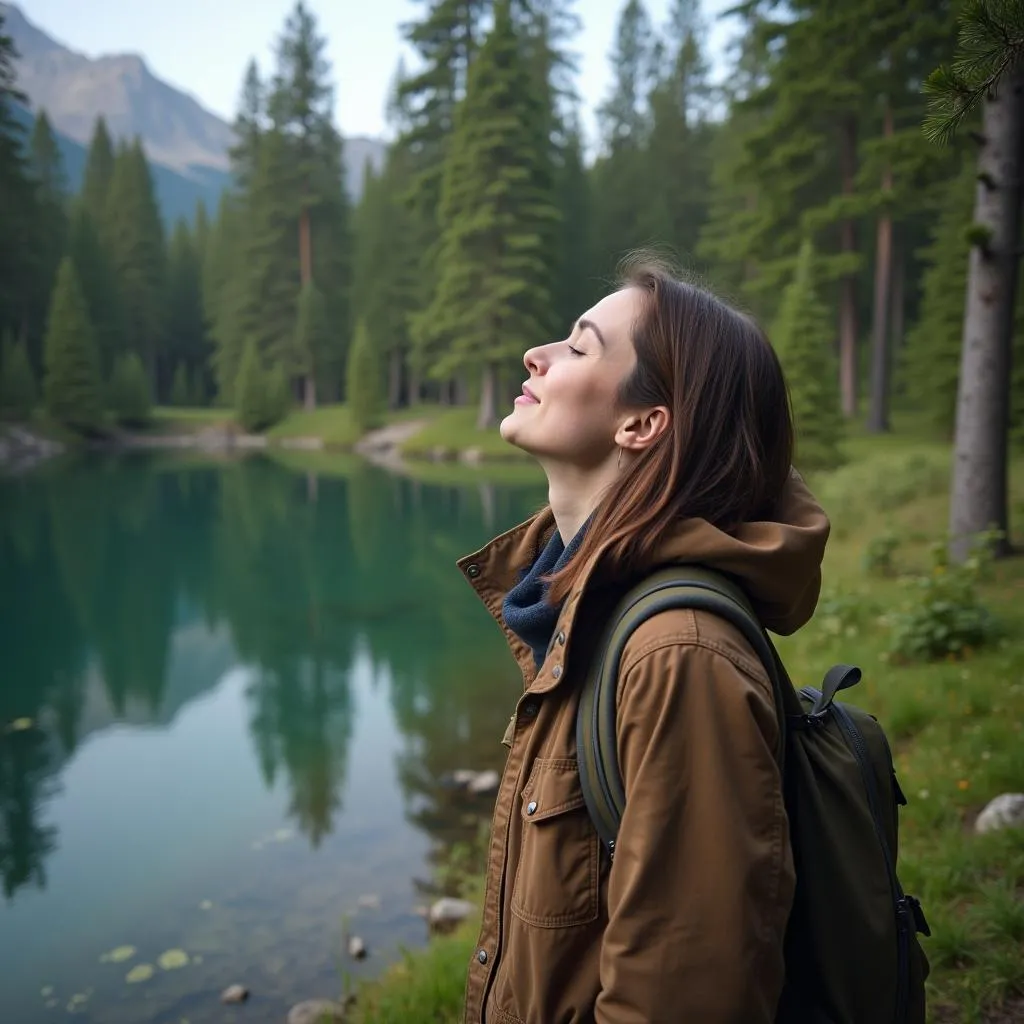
(556,672)
(482,956)
(561,636)
(531,807)
(472,570)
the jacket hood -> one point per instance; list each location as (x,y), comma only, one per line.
(777,561)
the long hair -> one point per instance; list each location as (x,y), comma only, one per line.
(727,453)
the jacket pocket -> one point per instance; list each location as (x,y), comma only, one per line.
(556,883)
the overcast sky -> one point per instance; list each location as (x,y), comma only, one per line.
(203,46)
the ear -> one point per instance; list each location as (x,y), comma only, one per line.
(640,430)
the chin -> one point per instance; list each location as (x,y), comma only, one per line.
(511,432)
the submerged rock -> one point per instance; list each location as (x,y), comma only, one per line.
(119,955)
(173,959)
(485,782)
(234,994)
(450,911)
(316,1011)
(140,972)
(356,948)
(1005,811)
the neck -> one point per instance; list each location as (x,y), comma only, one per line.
(573,494)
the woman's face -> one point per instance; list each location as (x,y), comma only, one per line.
(569,410)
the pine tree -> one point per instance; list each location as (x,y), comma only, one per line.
(17,383)
(623,216)
(180,393)
(678,145)
(248,127)
(185,339)
(279,394)
(134,232)
(299,108)
(99,171)
(72,384)
(252,398)
(803,338)
(128,392)
(575,285)
(493,299)
(365,394)
(931,359)
(51,222)
(19,256)
(312,335)
(385,275)
(98,279)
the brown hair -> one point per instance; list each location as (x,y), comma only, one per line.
(727,453)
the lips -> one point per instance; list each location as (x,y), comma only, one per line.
(529,394)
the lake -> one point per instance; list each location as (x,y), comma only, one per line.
(230,695)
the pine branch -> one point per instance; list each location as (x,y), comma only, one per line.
(991,41)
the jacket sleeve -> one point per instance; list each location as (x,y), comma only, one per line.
(702,882)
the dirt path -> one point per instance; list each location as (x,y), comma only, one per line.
(382,445)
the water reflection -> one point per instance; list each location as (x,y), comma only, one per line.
(107,564)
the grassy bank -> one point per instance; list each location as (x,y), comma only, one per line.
(956,726)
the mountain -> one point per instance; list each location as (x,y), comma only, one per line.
(178,134)
(176,194)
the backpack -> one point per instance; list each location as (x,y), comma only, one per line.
(852,954)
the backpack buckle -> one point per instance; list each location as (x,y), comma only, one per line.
(917,913)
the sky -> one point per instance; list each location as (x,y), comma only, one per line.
(203,46)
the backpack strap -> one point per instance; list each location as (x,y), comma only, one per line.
(675,586)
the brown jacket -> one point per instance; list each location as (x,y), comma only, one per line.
(686,925)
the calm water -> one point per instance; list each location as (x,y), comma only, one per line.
(228,698)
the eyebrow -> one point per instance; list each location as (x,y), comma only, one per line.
(583,324)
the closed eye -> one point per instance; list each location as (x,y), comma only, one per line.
(575,351)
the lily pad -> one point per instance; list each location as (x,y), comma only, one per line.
(47,991)
(140,972)
(173,959)
(21,724)
(206,905)
(119,955)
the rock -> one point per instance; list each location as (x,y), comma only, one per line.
(173,959)
(448,910)
(356,948)
(234,994)
(1005,811)
(462,777)
(140,972)
(472,456)
(316,1011)
(484,782)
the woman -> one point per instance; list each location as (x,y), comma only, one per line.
(663,425)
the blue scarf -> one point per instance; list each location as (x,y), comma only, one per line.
(526,608)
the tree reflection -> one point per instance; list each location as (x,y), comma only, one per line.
(104,560)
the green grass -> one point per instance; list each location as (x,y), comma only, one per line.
(453,431)
(168,419)
(332,423)
(957,729)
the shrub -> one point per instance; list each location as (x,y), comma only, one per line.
(17,384)
(946,617)
(128,393)
(877,557)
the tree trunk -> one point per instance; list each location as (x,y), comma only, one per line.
(461,385)
(848,284)
(305,276)
(896,326)
(414,387)
(394,379)
(878,416)
(488,413)
(978,501)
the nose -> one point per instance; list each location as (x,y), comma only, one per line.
(536,359)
